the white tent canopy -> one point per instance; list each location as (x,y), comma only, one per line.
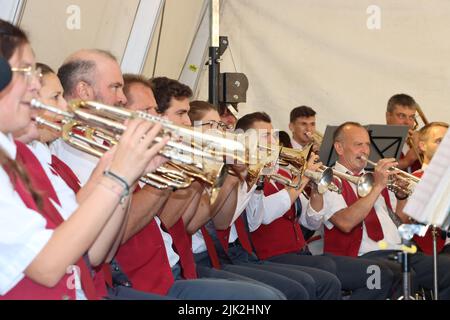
(343,58)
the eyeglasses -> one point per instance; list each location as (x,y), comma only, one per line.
(29,72)
(403,116)
(215,125)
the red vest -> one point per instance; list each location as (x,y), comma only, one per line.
(144,260)
(340,243)
(415,166)
(28,289)
(102,272)
(283,235)
(425,243)
(183,246)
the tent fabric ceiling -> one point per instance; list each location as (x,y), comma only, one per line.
(322,54)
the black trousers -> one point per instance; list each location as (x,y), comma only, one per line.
(353,273)
(288,279)
(421,270)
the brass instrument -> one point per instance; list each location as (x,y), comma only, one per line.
(185,144)
(323,178)
(364,183)
(401,181)
(410,141)
(293,161)
(316,140)
(163,178)
(200,157)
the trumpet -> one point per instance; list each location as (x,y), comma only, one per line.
(400,181)
(96,120)
(183,146)
(163,178)
(323,179)
(364,183)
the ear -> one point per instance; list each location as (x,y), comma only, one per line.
(422,146)
(84,91)
(291,127)
(388,116)
(339,148)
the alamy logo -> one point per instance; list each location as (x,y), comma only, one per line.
(73,281)
(374,19)
(73,22)
(374,280)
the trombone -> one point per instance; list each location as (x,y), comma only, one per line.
(403,181)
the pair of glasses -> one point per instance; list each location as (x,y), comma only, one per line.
(403,116)
(216,125)
(29,72)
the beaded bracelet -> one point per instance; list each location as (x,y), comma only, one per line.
(126,187)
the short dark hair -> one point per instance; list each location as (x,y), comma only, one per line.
(45,69)
(247,121)
(302,112)
(165,89)
(285,139)
(423,133)
(199,109)
(401,100)
(130,79)
(337,136)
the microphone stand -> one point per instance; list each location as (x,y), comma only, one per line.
(407,232)
(435,264)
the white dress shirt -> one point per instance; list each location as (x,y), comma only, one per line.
(296,145)
(334,202)
(23,232)
(67,198)
(81,163)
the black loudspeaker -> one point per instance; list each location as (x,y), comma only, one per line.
(233,88)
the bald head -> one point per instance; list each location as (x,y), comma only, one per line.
(351,141)
(92,74)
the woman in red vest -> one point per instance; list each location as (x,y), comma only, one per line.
(42,255)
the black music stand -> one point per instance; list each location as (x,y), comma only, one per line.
(386,141)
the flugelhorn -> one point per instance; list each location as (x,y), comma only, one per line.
(400,181)
(293,161)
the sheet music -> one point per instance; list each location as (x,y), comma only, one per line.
(430,202)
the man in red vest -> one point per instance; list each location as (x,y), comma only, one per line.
(401,111)
(277,237)
(146,254)
(430,137)
(354,225)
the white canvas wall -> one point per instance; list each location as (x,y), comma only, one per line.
(322,54)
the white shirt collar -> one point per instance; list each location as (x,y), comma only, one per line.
(296,145)
(41,151)
(341,168)
(8,145)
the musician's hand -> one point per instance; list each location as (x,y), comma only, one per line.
(381,173)
(313,163)
(136,150)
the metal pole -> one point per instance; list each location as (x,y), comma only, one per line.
(435,264)
(214,56)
